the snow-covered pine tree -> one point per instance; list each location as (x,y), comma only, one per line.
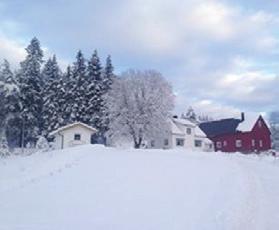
(2,107)
(108,78)
(31,91)
(190,114)
(53,98)
(6,74)
(274,128)
(76,91)
(108,75)
(68,74)
(69,97)
(12,105)
(94,91)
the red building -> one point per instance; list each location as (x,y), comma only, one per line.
(238,135)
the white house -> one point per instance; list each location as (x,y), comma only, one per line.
(182,133)
(72,135)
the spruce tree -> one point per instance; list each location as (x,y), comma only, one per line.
(69,97)
(108,78)
(94,91)
(77,88)
(31,91)
(108,74)
(52,92)
(11,104)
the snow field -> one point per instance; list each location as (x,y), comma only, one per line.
(93,187)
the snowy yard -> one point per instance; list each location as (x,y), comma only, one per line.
(92,187)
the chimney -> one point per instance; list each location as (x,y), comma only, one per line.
(175,116)
(242,117)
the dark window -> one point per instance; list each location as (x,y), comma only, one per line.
(166,142)
(77,137)
(152,143)
(198,143)
(179,142)
(188,131)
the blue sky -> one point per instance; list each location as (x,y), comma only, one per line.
(222,57)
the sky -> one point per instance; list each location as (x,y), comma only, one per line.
(221,57)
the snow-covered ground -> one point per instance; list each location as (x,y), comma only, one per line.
(93,187)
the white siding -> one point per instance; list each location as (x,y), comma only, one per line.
(67,137)
(178,130)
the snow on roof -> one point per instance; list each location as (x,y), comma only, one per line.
(72,125)
(183,121)
(175,129)
(249,122)
(199,132)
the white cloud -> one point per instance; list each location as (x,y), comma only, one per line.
(210,50)
(11,50)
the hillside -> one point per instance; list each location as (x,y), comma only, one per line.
(93,187)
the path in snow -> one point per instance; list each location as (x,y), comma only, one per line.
(101,188)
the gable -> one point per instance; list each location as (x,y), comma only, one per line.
(74,126)
(77,129)
(260,124)
(253,124)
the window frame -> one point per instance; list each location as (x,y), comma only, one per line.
(225,143)
(177,141)
(253,143)
(199,145)
(77,136)
(238,143)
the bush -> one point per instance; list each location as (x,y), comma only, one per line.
(42,144)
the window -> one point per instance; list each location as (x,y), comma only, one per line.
(179,142)
(238,143)
(188,131)
(77,137)
(198,143)
(152,143)
(253,143)
(225,143)
(260,124)
(261,143)
(166,142)
(219,144)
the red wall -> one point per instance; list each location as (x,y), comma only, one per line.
(257,133)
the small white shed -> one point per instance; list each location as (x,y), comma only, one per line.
(71,135)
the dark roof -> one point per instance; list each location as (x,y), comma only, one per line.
(220,127)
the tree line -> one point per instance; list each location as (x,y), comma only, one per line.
(39,97)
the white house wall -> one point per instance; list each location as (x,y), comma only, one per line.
(180,133)
(68,137)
